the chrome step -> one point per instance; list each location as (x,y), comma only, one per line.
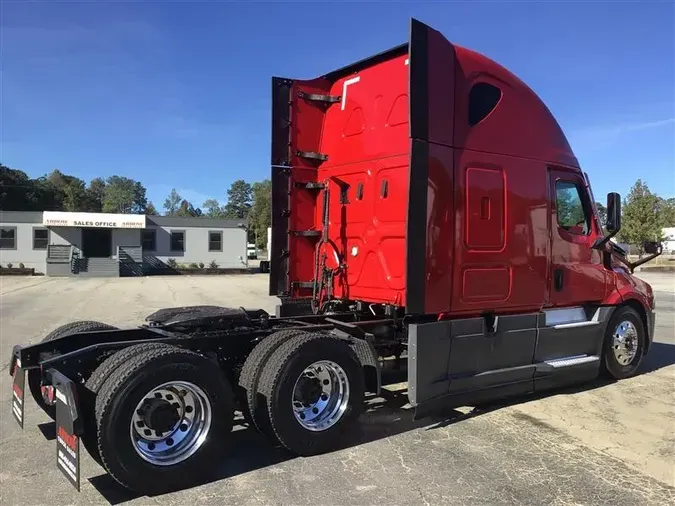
(570,361)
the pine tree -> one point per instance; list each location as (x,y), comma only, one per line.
(640,219)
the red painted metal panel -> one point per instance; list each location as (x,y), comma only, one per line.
(521,124)
(525,246)
(484,189)
(365,136)
(486,284)
(485,209)
(306,128)
(440,229)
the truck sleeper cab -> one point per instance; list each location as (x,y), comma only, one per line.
(425,205)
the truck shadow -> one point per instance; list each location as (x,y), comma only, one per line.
(384,416)
(660,355)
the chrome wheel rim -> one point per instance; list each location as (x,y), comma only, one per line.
(170,423)
(625,342)
(320,395)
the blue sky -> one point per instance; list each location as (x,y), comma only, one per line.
(177,94)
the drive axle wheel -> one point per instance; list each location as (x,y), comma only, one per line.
(250,374)
(44,394)
(320,395)
(163,420)
(313,386)
(171,422)
(624,343)
(93,386)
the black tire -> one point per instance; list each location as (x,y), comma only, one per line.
(250,374)
(93,385)
(278,379)
(126,387)
(62,331)
(610,363)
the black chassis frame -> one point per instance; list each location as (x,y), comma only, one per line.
(226,335)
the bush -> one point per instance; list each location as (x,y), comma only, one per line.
(194,266)
(21,265)
(201,265)
(9,266)
(171,262)
(213,265)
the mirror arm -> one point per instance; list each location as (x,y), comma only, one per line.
(633,265)
(601,242)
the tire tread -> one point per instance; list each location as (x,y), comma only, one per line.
(117,379)
(253,367)
(273,374)
(78,326)
(94,384)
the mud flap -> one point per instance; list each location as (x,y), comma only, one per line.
(68,428)
(18,390)
(428,363)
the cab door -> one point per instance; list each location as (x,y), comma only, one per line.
(578,275)
(569,330)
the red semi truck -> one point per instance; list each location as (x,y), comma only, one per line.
(426,205)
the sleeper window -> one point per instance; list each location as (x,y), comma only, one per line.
(483,98)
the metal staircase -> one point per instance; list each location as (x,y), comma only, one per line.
(98,267)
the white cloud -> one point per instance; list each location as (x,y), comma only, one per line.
(605,135)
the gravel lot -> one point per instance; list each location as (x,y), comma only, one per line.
(604,443)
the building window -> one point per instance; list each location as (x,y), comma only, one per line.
(149,240)
(177,240)
(8,238)
(483,98)
(40,238)
(572,215)
(215,241)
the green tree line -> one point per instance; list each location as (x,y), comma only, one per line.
(644,214)
(57,191)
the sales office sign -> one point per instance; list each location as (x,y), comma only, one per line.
(92,220)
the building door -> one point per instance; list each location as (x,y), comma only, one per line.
(97,242)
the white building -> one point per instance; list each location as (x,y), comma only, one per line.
(68,244)
(669,242)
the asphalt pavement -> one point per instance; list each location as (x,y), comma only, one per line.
(604,443)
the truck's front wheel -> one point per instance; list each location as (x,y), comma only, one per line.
(624,343)
(163,420)
(313,385)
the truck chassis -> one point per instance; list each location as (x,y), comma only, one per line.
(154,404)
